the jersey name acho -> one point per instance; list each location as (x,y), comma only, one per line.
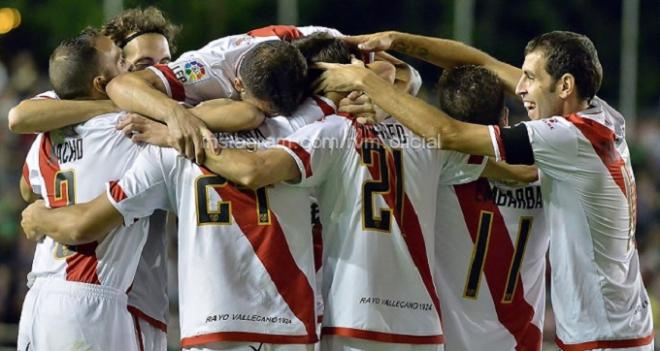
(69,150)
(528,197)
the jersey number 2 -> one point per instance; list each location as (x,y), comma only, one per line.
(381,219)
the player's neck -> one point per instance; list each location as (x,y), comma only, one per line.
(574,105)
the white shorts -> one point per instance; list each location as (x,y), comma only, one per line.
(342,343)
(252,346)
(64,315)
(150,337)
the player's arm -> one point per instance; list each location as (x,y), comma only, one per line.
(440,52)
(422,118)
(505,172)
(143,92)
(226,115)
(254,169)
(72,225)
(40,115)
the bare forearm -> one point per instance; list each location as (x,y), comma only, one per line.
(34,116)
(60,224)
(254,169)
(225,115)
(133,94)
(428,121)
(449,53)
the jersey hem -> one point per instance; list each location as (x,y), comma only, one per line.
(383,337)
(605,344)
(247,337)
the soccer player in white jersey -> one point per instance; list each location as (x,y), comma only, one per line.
(577,141)
(491,238)
(77,291)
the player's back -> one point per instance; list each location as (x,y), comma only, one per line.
(590,198)
(374,185)
(491,243)
(72,165)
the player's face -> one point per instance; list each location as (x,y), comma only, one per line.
(537,88)
(147,50)
(111,58)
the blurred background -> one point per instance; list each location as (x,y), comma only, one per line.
(626,34)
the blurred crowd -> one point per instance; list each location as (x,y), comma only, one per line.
(20,78)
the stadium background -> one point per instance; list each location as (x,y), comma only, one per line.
(625,33)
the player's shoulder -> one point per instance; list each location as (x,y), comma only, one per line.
(307,30)
(104,121)
(46,95)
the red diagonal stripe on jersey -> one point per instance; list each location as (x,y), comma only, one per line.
(602,140)
(281,31)
(117,192)
(81,266)
(325,107)
(176,87)
(270,245)
(302,154)
(406,217)
(516,316)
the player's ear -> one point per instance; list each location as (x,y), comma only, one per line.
(566,85)
(99,84)
(238,85)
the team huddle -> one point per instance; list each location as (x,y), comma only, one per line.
(320,204)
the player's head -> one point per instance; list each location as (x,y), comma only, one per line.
(561,69)
(321,47)
(80,68)
(145,35)
(473,94)
(272,76)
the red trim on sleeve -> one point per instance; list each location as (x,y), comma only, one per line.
(26,174)
(602,140)
(117,192)
(500,143)
(605,344)
(475,160)
(325,107)
(383,337)
(301,153)
(272,249)
(517,315)
(176,87)
(246,337)
(283,32)
(137,313)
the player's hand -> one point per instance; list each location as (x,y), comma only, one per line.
(359,105)
(144,130)
(372,42)
(190,134)
(30,219)
(340,78)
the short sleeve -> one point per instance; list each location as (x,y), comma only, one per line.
(316,147)
(143,189)
(190,80)
(459,168)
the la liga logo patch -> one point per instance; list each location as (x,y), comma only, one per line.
(191,72)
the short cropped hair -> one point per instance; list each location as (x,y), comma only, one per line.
(74,64)
(568,52)
(276,72)
(321,47)
(471,94)
(134,22)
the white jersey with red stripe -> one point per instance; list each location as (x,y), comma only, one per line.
(376,187)
(72,165)
(209,73)
(589,195)
(147,296)
(246,268)
(491,244)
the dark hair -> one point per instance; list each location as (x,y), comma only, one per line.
(321,47)
(275,71)
(568,52)
(471,94)
(74,64)
(132,23)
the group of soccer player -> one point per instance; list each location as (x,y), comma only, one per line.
(250,138)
